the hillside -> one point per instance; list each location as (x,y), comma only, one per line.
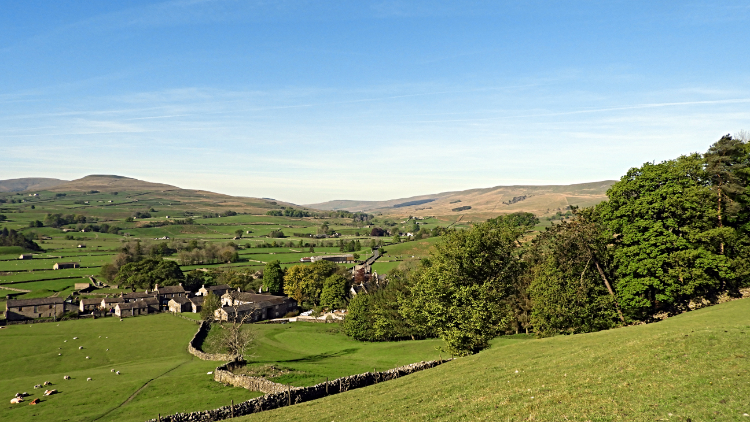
(693,367)
(109,183)
(140,192)
(487,202)
(29,183)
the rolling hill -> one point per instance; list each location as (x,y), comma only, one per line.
(487,202)
(29,183)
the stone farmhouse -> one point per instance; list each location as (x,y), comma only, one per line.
(169,292)
(236,304)
(26,256)
(180,304)
(196,303)
(129,309)
(89,305)
(21,309)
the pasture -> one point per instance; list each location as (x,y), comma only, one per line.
(692,367)
(313,352)
(158,375)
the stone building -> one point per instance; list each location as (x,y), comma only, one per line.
(130,309)
(196,303)
(21,309)
(180,304)
(217,290)
(132,297)
(267,306)
(89,305)
(165,293)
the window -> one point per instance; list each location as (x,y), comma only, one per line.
(35,309)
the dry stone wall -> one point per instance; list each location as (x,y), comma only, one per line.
(224,375)
(198,338)
(296,395)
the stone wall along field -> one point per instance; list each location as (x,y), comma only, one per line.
(295,395)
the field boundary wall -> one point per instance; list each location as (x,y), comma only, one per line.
(198,338)
(296,395)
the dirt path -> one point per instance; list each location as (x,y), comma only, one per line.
(132,396)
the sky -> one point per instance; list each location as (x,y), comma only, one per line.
(309,101)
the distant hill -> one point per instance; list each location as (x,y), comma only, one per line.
(29,183)
(109,183)
(540,200)
(137,191)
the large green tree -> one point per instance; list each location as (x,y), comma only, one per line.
(570,269)
(334,292)
(462,295)
(667,242)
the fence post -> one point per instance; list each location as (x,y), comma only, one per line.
(326,386)
(289,393)
(159,417)
(232,407)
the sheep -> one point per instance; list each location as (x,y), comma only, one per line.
(87,357)
(118,372)
(66,377)
(47,383)
(75,338)
(88,379)
(49,392)
(80,347)
(16,400)
(59,354)
(37,386)
(35,401)
(111,370)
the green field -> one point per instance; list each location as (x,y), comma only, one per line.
(148,351)
(316,351)
(692,367)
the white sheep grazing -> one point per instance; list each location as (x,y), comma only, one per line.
(87,357)
(66,377)
(59,354)
(111,370)
(118,372)
(80,347)
(75,338)
(47,383)
(37,386)
(65,341)
(88,379)
(16,400)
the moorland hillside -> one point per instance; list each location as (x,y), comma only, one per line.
(486,202)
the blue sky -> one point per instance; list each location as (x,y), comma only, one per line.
(308,101)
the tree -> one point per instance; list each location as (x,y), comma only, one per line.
(305,282)
(238,233)
(358,321)
(377,231)
(462,294)
(570,289)
(667,245)
(273,278)
(145,274)
(334,292)
(726,160)
(210,304)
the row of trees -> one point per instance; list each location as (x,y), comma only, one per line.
(671,236)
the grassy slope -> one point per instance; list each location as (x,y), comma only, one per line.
(317,351)
(693,366)
(142,348)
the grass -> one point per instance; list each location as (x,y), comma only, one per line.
(693,367)
(315,351)
(150,348)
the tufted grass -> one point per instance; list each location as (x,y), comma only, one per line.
(693,367)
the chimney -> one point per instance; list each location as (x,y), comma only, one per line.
(180,284)
(156,287)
